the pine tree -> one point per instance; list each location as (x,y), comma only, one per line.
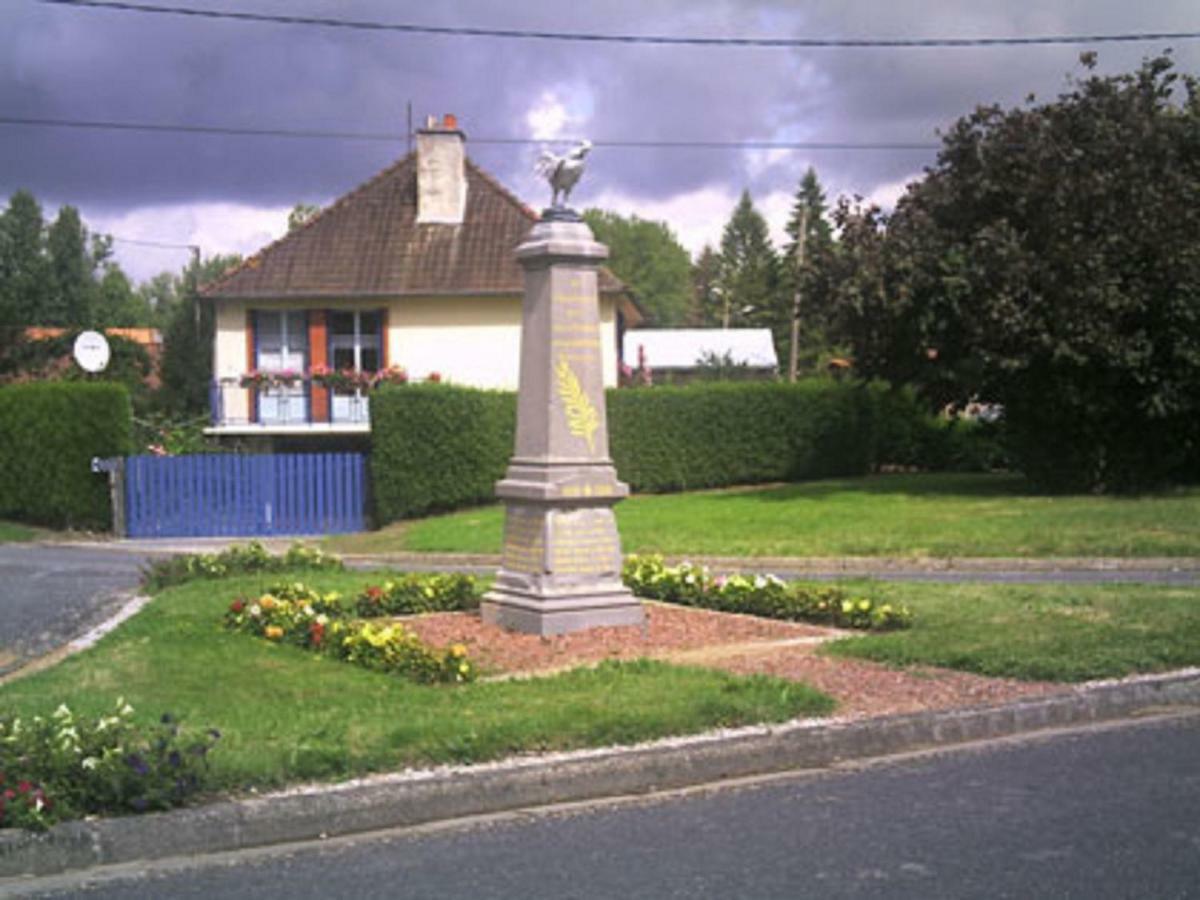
(804,287)
(748,278)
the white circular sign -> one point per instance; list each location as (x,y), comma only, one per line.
(91,351)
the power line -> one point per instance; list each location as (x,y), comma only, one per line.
(143,243)
(396,137)
(591,37)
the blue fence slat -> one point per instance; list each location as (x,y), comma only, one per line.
(245,495)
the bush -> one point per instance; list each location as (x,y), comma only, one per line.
(49,433)
(236,560)
(293,613)
(436,447)
(758,595)
(712,435)
(60,767)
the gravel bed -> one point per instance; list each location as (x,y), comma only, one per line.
(736,643)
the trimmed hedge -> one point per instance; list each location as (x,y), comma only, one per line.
(700,436)
(438,447)
(49,432)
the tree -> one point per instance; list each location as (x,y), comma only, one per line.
(1050,261)
(300,215)
(801,279)
(188,338)
(748,279)
(72,283)
(118,305)
(24,275)
(706,307)
(647,256)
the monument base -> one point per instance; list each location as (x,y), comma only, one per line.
(546,614)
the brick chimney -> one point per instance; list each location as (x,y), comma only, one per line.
(441,172)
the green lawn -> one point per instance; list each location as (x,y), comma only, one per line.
(286,714)
(885,515)
(1037,632)
(11,532)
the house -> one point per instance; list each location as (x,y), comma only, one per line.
(413,269)
(677,355)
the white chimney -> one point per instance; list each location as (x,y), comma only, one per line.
(441,173)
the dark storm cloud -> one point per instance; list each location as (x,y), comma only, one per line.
(103,65)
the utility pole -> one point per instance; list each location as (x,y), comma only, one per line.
(801,241)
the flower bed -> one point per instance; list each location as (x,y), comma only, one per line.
(59,767)
(293,613)
(759,595)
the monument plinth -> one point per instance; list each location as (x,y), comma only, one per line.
(561,569)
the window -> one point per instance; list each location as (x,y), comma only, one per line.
(355,344)
(281,345)
(355,341)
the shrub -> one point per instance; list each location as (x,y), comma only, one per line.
(437,447)
(759,595)
(236,560)
(293,613)
(49,433)
(411,594)
(62,767)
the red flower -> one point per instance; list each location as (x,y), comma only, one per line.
(9,794)
(23,787)
(237,605)
(434,377)
(316,633)
(374,593)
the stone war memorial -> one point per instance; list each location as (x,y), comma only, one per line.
(561,567)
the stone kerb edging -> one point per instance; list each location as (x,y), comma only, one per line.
(414,798)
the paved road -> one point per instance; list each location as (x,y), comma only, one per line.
(1099,814)
(49,595)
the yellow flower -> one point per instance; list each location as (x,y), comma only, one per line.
(273,632)
(864,605)
(266,601)
(458,650)
(463,668)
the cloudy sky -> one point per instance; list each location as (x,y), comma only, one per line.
(231,193)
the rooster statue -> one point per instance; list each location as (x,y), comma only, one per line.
(563,172)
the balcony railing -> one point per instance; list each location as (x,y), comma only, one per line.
(299,402)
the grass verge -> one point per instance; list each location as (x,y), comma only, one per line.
(1055,632)
(934,515)
(11,532)
(288,715)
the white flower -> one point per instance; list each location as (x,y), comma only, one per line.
(322,619)
(90,762)
(62,712)
(255,610)
(759,581)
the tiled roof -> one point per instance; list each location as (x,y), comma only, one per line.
(368,243)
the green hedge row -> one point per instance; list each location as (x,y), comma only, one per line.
(49,432)
(438,447)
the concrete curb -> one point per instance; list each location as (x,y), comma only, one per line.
(414,798)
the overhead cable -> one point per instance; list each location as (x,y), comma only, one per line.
(654,39)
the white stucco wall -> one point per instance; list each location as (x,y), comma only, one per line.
(472,341)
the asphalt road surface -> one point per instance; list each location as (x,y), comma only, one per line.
(50,595)
(1103,813)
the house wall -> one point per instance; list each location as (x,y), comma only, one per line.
(473,341)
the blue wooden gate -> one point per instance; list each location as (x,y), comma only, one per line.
(243,495)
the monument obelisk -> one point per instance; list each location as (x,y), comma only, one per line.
(561,569)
